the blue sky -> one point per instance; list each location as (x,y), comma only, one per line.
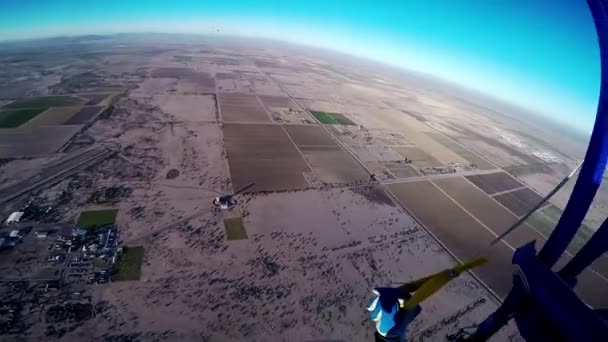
(539,54)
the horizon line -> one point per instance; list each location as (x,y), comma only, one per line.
(430,76)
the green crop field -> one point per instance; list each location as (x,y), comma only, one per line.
(552,212)
(95,218)
(17,117)
(546,219)
(331,118)
(541,223)
(235,230)
(44,102)
(324,117)
(342,120)
(128,265)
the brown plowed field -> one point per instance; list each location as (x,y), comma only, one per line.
(520,202)
(84,115)
(264,155)
(494,182)
(459,231)
(309,135)
(253,113)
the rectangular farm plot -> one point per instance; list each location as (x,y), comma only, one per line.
(16,117)
(368,153)
(520,202)
(94,99)
(276,101)
(264,155)
(202,80)
(246,113)
(330,162)
(402,171)
(36,142)
(419,158)
(495,182)
(240,107)
(235,230)
(457,230)
(190,87)
(84,115)
(128,265)
(334,165)
(488,211)
(474,160)
(332,118)
(93,218)
(45,102)
(545,220)
(309,135)
(52,116)
(238,99)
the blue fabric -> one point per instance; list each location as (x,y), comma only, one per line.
(391,322)
(594,165)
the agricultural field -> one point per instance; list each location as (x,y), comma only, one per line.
(379,170)
(520,202)
(367,153)
(190,87)
(236,85)
(37,141)
(334,165)
(45,102)
(330,162)
(39,126)
(238,99)
(332,118)
(195,119)
(401,170)
(419,158)
(263,155)
(457,230)
(276,101)
(192,81)
(545,220)
(291,116)
(84,115)
(235,229)
(240,107)
(487,210)
(263,86)
(17,117)
(495,182)
(191,108)
(94,99)
(475,161)
(129,263)
(52,116)
(285,111)
(304,136)
(466,220)
(93,218)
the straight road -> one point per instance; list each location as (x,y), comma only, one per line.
(56,171)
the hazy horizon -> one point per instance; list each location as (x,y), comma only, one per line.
(480,97)
(542,57)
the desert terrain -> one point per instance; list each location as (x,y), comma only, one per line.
(356,176)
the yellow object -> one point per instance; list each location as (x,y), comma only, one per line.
(425,287)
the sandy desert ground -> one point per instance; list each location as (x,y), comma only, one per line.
(196,120)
